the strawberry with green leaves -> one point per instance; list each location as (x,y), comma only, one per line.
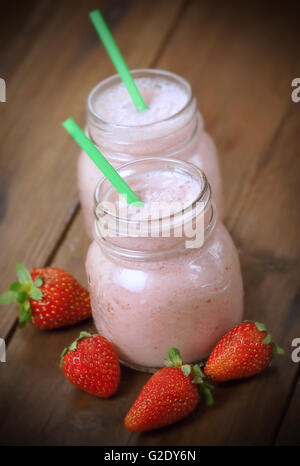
(170,395)
(49,297)
(245,350)
(91,364)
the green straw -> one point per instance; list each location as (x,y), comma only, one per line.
(117,59)
(95,155)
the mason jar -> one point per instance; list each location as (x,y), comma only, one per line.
(151,293)
(171,127)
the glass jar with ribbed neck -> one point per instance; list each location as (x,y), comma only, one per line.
(149,293)
(172,127)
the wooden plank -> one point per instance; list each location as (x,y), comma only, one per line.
(38,164)
(48,410)
(289,433)
(78,418)
(233,56)
(246,412)
(30,122)
(249,412)
(17,24)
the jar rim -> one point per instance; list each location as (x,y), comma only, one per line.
(204,196)
(149,71)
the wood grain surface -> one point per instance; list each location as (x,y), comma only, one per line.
(240,59)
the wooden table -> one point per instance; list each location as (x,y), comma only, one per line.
(240,58)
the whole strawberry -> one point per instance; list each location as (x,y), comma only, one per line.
(92,365)
(247,349)
(170,395)
(49,297)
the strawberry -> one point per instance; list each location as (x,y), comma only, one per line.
(92,365)
(247,349)
(49,297)
(169,395)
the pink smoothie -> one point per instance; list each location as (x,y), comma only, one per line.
(171,127)
(159,294)
(156,188)
(164,98)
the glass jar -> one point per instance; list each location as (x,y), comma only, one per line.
(181,135)
(150,294)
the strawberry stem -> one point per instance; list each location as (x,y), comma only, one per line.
(174,358)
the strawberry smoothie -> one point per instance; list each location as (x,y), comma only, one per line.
(171,127)
(152,293)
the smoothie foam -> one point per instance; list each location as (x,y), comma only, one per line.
(158,188)
(164,99)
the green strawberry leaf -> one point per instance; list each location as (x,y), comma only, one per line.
(186,369)
(82,335)
(15,286)
(19,292)
(39,281)
(277,349)
(206,395)
(73,345)
(197,371)
(35,293)
(174,357)
(168,363)
(63,353)
(260,326)
(21,296)
(267,339)
(209,386)
(23,274)
(204,387)
(8,297)
(25,315)
(26,306)
(197,379)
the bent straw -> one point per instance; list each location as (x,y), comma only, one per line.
(95,155)
(117,59)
